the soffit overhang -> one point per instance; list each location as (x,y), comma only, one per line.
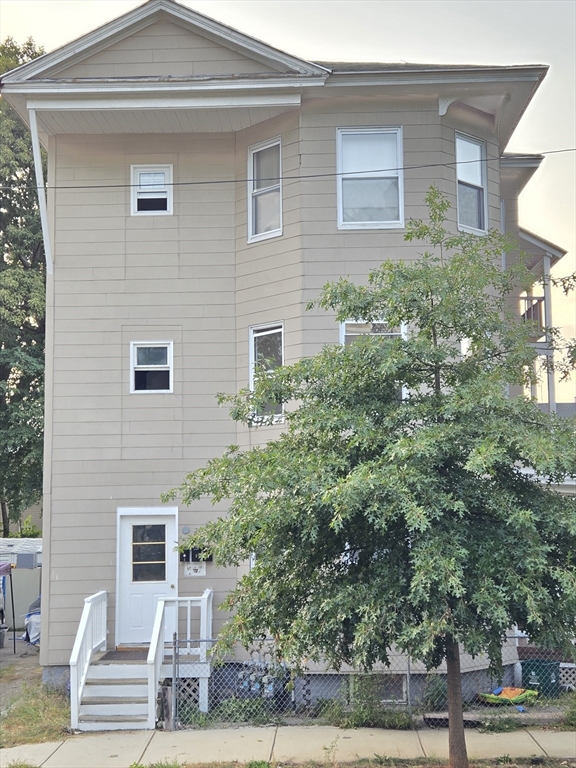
(499,94)
(519,168)
(92,108)
(554,252)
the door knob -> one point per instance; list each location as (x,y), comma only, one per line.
(171,586)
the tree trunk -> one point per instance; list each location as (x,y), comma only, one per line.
(456,739)
(5,518)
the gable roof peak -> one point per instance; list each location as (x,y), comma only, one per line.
(148,13)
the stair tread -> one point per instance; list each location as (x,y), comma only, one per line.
(112,718)
(116,681)
(118,662)
(114,700)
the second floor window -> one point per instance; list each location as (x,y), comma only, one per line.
(151,190)
(264,191)
(471,175)
(370,181)
(266,354)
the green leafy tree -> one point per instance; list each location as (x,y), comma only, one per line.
(22,308)
(427,521)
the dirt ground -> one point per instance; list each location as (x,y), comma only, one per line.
(18,668)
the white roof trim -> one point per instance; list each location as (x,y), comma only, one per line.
(452,76)
(182,102)
(142,17)
(521,161)
(554,250)
(42,89)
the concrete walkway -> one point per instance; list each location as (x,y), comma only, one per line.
(119,749)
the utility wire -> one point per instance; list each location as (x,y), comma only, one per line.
(333,174)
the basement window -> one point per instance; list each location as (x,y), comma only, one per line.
(151,190)
(151,366)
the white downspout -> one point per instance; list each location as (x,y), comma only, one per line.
(548,324)
(41,190)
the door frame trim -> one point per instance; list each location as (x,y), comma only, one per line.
(122,512)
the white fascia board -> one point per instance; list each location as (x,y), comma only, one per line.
(182,102)
(521,161)
(146,15)
(553,250)
(439,76)
(126,87)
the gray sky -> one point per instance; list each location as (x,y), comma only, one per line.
(434,31)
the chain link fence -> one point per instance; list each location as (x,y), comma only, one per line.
(536,686)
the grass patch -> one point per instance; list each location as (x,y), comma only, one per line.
(378,760)
(9,673)
(19,764)
(570,715)
(38,714)
(501,725)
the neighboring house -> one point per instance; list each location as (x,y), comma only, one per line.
(195,202)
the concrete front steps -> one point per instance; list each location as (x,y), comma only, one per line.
(115,696)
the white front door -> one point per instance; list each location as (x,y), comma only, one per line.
(147,569)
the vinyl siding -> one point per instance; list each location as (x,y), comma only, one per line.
(193,279)
(163,48)
(118,279)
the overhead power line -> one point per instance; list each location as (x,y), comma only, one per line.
(332,174)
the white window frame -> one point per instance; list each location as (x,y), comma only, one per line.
(399,174)
(483,168)
(403,334)
(167,193)
(134,345)
(254,237)
(261,330)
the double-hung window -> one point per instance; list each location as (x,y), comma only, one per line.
(264,191)
(471,176)
(151,366)
(151,190)
(266,354)
(350,330)
(370,180)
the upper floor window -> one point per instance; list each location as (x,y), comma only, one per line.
(351,329)
(264,191)
(151,190)
(471,175)
(370,180)
(266,354)
(151,366)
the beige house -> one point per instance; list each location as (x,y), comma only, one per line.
(202,186)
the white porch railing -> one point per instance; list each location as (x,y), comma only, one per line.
(90,638)
(159,645)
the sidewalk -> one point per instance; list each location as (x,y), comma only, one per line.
(119,749)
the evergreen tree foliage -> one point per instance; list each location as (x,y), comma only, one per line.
(22,307)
